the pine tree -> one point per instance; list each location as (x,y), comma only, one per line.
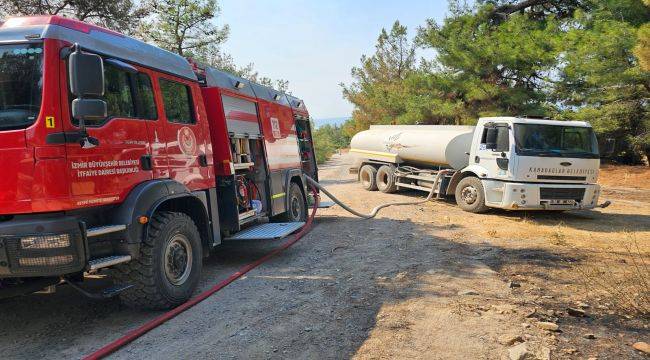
(119,15)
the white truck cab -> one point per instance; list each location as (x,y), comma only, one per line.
(510,163)
(535,164)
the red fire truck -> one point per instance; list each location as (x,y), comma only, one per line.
(118,154)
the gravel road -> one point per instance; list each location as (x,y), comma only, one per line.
(416,282)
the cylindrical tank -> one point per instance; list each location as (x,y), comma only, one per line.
(424,144)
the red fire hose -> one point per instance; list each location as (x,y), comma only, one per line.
(150,325)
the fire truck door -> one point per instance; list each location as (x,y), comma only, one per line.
(156,159)
(185,133)
(106,173)
(281,146)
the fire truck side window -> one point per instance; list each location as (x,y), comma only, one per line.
(177,99)
(146,103)
(118,95)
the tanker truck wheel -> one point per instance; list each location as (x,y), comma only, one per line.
(368,177)
(169,266)
(386,179)
(470,195)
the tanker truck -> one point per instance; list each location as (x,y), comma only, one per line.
(509,163)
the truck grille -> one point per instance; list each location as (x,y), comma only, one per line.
(576,194)
(40,262)
(566,178)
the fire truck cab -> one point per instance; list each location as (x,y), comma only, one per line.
(120,155)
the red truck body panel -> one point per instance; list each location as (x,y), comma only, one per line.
(276,123)
(43,177)
(164,137)
(280,138)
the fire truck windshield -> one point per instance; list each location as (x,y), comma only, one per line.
(21,84)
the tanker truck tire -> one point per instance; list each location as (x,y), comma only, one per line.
(470,195)
(169,266)
(386,179)
(368,177)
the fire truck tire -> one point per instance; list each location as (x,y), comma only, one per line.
(297,210)
(169,266)
(368,177)
(470,195)
(386,179)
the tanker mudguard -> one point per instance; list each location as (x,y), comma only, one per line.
(144,199)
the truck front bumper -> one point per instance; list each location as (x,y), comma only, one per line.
(548,196)
(50,246)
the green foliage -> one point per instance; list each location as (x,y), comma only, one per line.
(187,27)
(113,14)
(328,139)
(184,26)
(378,90)
(486,70)
(642,49)
(567,59)
(601,80)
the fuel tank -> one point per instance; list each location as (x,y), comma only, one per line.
(445,145)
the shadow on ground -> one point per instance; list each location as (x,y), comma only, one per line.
(318,299)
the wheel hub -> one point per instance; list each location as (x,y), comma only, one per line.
(178,259)
(469,194)
(295,208)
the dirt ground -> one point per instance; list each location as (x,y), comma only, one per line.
(424,282)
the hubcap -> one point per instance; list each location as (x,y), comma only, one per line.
(178,259)
(295,208)
(469,195)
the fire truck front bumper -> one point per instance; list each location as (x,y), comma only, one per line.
(41,247)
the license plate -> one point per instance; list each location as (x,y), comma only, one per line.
(562,202)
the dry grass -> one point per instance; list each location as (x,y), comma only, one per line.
(625,176)
(623,279)
(557,235)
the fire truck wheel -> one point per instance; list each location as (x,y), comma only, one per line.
(386,179)
(168,268)
(297,210)
(368,177)
(470,195)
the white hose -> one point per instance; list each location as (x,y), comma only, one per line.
(375,211)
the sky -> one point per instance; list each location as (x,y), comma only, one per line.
(314,44)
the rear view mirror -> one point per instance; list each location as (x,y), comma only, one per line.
(89,109)
(86,74)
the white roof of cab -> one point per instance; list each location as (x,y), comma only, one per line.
(522,120)
(96,39)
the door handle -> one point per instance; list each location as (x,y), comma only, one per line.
(146,163)
(203,160)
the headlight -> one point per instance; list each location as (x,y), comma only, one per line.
(45,242)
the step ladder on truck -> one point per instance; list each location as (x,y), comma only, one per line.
(132,158)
